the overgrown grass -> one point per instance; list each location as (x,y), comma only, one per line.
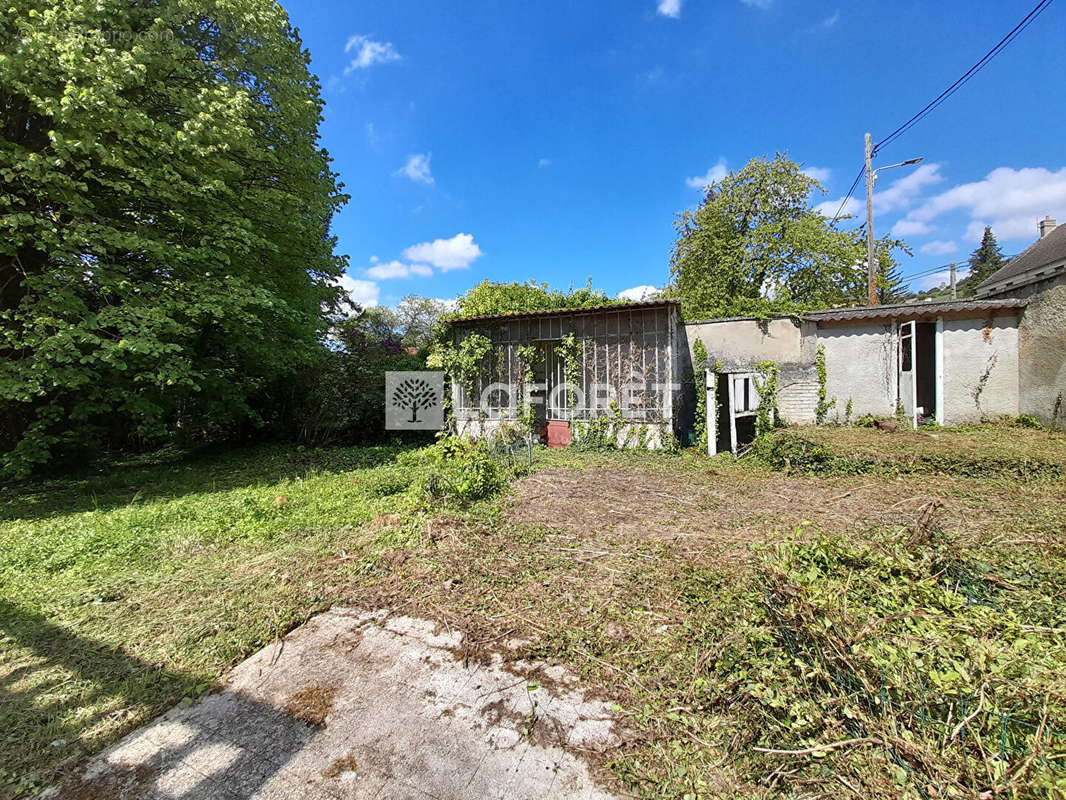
(125,591)
(981,452)
(128,590)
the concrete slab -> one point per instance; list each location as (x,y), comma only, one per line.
(356,706)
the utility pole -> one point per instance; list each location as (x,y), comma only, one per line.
(954,291)
(871,265)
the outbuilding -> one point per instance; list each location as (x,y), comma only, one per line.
(560,369)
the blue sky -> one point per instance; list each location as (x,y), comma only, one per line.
(557,140)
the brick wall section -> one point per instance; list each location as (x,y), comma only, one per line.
(798,401)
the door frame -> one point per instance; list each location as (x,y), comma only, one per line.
(938,368)
(909,337)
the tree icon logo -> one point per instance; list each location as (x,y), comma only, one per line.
(413,400)
(414,394)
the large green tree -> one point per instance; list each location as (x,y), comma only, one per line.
(755,245)
(985,260)
(165,208)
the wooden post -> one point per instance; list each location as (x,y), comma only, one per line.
(954,290)
(871,261)
(711,409)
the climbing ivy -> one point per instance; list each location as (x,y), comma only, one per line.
(569,350)
(767,417)
(528,356)
(822,409)
(461,364)
(699,366)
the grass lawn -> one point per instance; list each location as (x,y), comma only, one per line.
(699,595)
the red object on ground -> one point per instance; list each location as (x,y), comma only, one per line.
(558,433)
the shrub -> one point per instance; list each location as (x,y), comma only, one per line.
(464,471)
(792,451)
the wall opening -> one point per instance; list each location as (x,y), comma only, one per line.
(723,438)
(925,371)
(917,371)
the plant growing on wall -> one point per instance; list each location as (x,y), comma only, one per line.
(767,418)
(528,355)
(699,367)
(569,350)
(460,363)
(824,405)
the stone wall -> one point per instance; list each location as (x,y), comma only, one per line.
(1042,358)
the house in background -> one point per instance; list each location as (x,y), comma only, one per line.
(1038,274)
(1040,267)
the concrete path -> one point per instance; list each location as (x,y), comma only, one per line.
(363,706)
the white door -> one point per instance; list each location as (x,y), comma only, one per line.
(908,386)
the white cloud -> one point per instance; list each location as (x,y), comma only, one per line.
(829,208)
(459,252)
(714,174)
(902,192)
(368,53)
(758,3)
(1010,200)
(544,162)
(938,248)
(384,272)
(831,20)
(374,259)
(363,293)
(398,269)
(669,8)
(637,293)
(820,174)
(910,227)
(417,168)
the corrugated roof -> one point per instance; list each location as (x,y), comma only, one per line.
(549,312)
(1046,250)
(913,310)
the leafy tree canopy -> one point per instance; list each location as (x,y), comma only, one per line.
(165,208)
(417,317)
(502,298)
(756,246)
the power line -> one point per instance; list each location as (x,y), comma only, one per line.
(847,197)
(1027,20)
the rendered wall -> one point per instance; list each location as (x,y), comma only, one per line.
(1042,357)
(860,362)
(980,369)
(747,341)
(740,344)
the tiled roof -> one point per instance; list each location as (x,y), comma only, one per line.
(1045,250)
(551,312)
(913,310)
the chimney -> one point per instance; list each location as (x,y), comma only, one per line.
(1047,225)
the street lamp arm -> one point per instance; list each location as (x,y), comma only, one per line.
(907,163)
